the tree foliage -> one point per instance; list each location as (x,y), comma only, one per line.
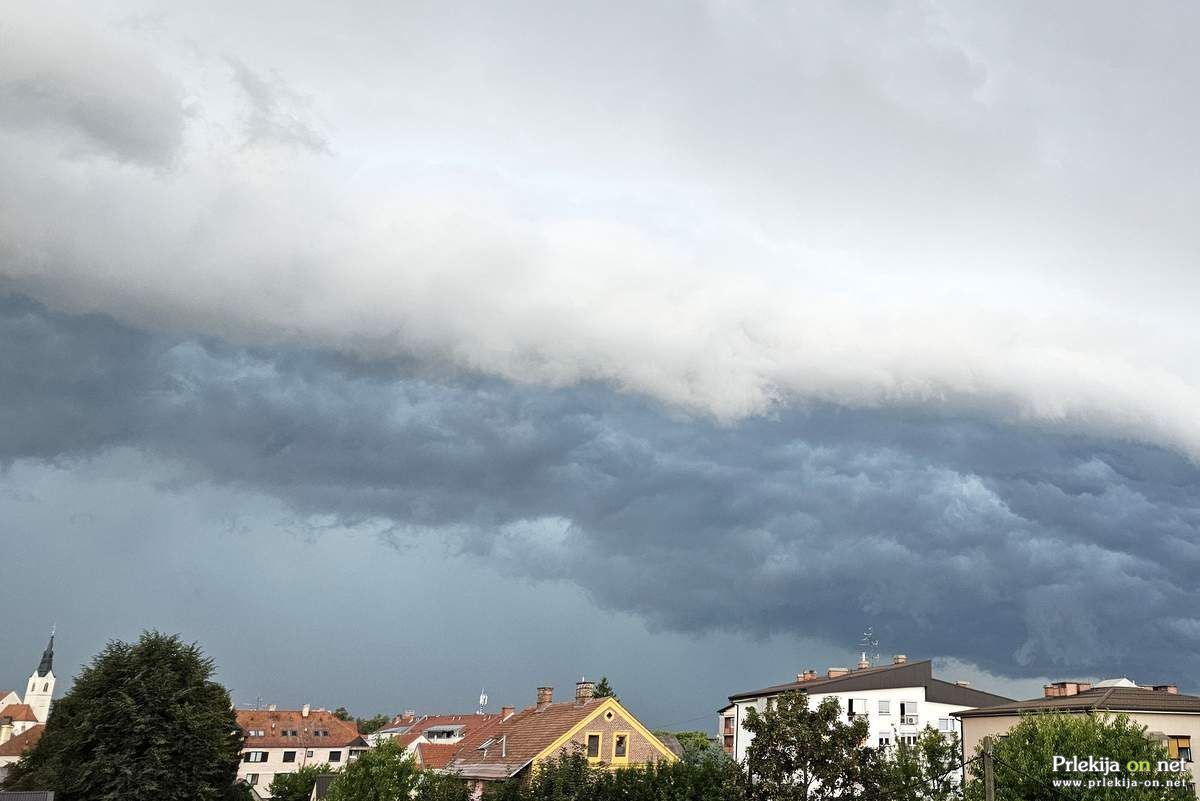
(929,770)
(384,773)
(1024,759)
(569,777)
(603,689)
(296,786)
(433,786)
(142,721)
(804,754)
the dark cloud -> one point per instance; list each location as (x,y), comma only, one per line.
(1022,550)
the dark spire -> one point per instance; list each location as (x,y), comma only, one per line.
(47,663)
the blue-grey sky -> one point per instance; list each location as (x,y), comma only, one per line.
(392,351)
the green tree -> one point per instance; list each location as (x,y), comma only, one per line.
(384,773)
(296,786)
(434,786)
(142,721)
(372,724)
(1023,764)
(342,714)
(603,689)
(567,777)
(804,754)
(929,770)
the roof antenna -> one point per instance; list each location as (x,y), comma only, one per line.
(870,646)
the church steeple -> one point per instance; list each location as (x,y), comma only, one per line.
(47,663)
(40,691)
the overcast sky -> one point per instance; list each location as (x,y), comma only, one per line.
(398,350)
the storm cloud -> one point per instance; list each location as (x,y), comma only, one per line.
(1016,548)
(727,209)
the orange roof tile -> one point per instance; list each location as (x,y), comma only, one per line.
(342,733)
(432,755)
(527,733)
(20,713)
(22,742)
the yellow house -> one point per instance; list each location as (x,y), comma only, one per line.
(603,730)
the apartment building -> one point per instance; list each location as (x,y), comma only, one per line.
(283,741)
(897,701)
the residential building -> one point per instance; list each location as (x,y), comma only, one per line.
(283,741)
(433,740)
(12,747)
(601,728)
(897,701)
(1169,717)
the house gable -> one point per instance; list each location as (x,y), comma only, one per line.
(599,721)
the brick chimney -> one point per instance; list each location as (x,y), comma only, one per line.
(304,710)
(506,712)
(584,689)
(863,663)
(544,696)
(1172,689)
(808,675)
(899,659)
(834,672)
(1063,689)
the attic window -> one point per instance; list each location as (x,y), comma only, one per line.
(608,715)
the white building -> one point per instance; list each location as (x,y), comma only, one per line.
(285,740)
(21,722)
(896,700)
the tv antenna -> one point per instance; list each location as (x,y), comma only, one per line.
(870,645)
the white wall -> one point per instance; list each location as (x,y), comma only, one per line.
(274,763)
(928,714)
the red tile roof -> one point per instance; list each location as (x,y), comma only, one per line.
(527,733)
(20,713)
(22,742)
(432,755)
(342,733)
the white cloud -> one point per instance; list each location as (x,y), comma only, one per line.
(726,211)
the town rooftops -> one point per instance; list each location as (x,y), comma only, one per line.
(317,727)
(502,750)
(20,713)
(886,677)
(429,726)
(1097,699)
(18,745)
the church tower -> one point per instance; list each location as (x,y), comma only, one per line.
(41,683)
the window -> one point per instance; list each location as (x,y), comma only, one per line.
(289,756)
(728,724)
(620,747)
(355,753)
(906,739)
(255,756)
(335,756)
(885,707)
(945,724)
(728,744)
(593,747)
(856,708)
(884,740)
(1179,747)
(308,754)
(252,779)
(908,713)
